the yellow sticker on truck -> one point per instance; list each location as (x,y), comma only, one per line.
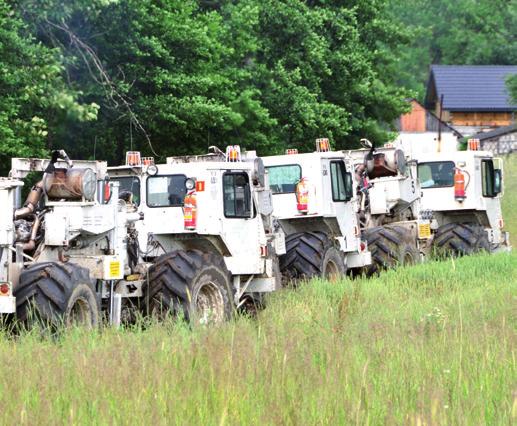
(424,230)
(114,269)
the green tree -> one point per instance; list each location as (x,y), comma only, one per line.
(33,92)
(461,32)
(319,67)
(163,78)
(174,77)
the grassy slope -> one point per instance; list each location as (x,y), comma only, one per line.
(510,197)
(431,344)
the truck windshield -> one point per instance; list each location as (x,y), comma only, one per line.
(166,191)
(283,179)
(129,184)
(436,174)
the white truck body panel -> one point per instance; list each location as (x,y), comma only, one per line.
(7,190)
(242,237)
(315,167)
(441,200)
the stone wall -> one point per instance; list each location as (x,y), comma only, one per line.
(504,144)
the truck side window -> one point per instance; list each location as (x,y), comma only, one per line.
(166,190)
(237,195)
(283,179)
(129,184)
(342,185)
(436,174)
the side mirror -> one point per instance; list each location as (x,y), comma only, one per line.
(349,186)
(259,172)
(498,181)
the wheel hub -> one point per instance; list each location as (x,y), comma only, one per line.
(210,304)
(80,313)
(331,272)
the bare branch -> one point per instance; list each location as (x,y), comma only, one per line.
(101,76)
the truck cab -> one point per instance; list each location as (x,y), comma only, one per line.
(218,204)
(315,203)
(464,187)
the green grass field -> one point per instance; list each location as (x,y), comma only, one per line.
(510,198)
(430,344)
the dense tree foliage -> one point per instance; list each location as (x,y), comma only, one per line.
(34,96)
(157,69)
(178,76)
(98,77)
(460,32)
(319,67)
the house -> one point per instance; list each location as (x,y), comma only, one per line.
(420,130)
(502,140)
(475,97)
(420,120)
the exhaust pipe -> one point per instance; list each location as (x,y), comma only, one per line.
(31,202)
(31,244)
(37,190)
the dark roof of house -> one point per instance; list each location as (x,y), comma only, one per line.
(495,133)
(470,87)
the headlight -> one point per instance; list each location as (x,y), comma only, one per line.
(152,170)
(190,184)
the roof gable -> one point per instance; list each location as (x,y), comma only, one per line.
(470,87)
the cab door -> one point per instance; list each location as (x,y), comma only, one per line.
(491,190)
(242,229)
(342,192)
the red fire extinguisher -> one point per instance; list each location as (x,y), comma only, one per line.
(190,210)
(302,196)
(459,185)
(106,191)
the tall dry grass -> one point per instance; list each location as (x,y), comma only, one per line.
(433,344)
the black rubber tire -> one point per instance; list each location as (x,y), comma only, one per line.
(184,282)
(53,294)
(390,247)
(460,239)
(309,255)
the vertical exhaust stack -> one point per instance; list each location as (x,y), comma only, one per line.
(440,125)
